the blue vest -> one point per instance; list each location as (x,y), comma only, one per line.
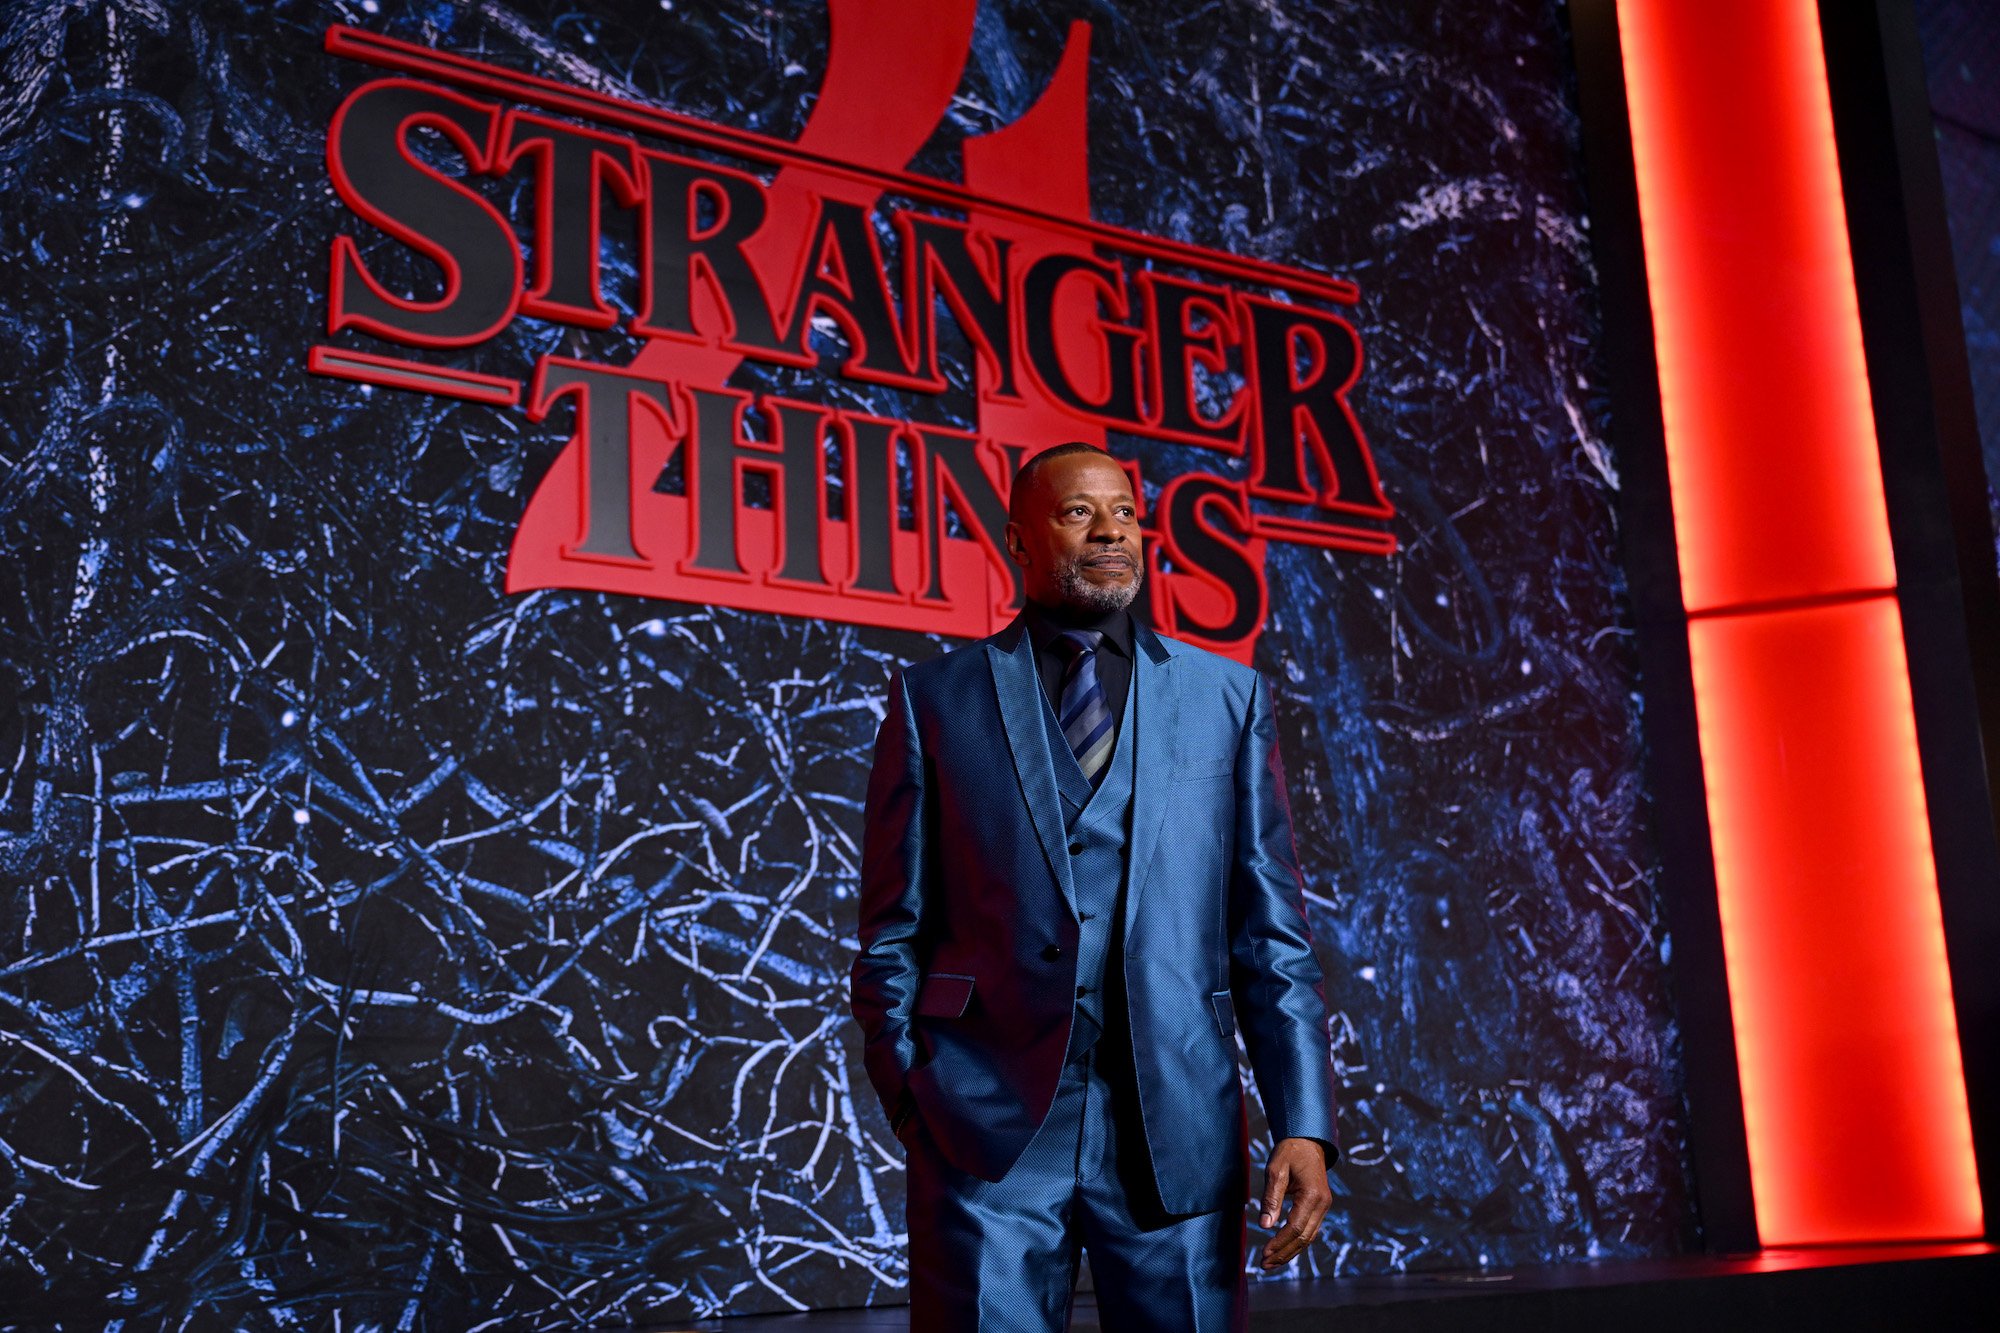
(1100,835)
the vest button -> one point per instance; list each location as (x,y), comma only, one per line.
(1051,952)
(1082,991)
(1076,849)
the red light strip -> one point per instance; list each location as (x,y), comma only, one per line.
(1847,1041)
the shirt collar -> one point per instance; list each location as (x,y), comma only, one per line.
(1116,626)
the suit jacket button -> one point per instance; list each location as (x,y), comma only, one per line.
(1076,849)
(1051,952)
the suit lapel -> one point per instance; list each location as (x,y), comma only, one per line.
(1156,719)
(1012,657)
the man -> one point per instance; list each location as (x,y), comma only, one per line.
(1077,876)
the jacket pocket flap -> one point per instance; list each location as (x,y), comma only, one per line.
(944,995)
(1225,1012)
(1205,766)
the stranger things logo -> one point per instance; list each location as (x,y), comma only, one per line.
(826,258)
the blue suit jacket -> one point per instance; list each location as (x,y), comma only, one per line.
(966,980)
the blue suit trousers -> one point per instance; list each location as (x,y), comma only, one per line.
(1001,1256)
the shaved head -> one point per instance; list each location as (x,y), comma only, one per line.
(1025,475)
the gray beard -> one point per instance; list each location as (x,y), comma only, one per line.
(1079,592)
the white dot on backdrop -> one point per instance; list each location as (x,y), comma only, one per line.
(1527,667)
(654,628)
(301,816)
(1366,974)
(288,718)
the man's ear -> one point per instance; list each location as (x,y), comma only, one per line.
(1015,547)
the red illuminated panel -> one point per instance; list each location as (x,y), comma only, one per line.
(1840,995)
(1847,1044)
(1777,487)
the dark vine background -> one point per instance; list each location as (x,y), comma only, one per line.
(379,943)
(1961,45)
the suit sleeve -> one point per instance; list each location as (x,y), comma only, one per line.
(1273,973)
(894,880)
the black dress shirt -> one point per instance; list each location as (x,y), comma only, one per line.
(1114,657)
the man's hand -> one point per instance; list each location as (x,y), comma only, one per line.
(1297,1169)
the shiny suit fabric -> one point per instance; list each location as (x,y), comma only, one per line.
(965,982)
(1001,1256)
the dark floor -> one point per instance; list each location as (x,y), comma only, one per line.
(1901,1288)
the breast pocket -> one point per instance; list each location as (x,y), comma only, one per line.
(1204,767)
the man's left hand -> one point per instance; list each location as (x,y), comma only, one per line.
(1297,1170)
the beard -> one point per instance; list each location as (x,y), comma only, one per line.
(1102,599)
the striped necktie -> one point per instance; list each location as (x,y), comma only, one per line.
(1085,717)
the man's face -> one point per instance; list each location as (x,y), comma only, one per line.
(1077,537)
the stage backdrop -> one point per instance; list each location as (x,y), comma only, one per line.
(468,472)
(1961,41)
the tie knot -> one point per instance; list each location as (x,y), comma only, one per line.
(1073,643)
